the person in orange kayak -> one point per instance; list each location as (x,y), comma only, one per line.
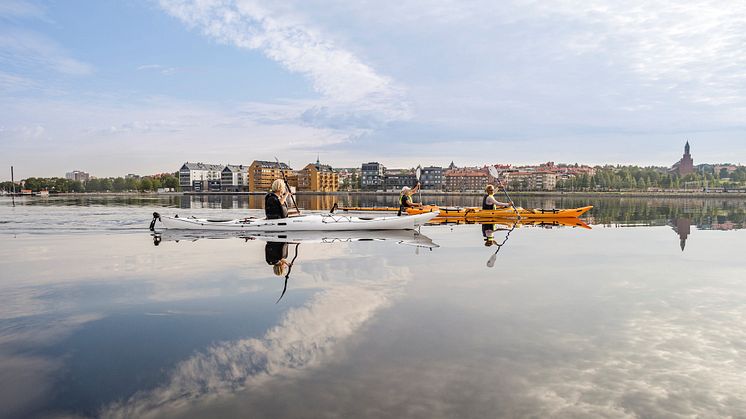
(405,198)
(489,202)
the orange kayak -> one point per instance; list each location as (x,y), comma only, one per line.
(507,223)
(475,214)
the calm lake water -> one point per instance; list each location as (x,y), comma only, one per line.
(641,315)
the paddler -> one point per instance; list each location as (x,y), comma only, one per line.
(489,202)
(405,198)
(488,232)
(274,202)
(276,254)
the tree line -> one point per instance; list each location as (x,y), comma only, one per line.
(644,178)
(112,184)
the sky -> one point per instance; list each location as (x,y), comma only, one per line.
(141,86)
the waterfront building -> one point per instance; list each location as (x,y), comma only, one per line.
(372,175)
(262,173)
(196,177)
(724,170)
(432,178)
(348,178)
(234,178)
(396,179)
(684,166)
(78,175)
(462,180)
(532,180)
(317,177)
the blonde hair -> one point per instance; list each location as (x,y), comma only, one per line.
(489,189)
(277,186)
(279,268)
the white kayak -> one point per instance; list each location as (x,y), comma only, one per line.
(308,222)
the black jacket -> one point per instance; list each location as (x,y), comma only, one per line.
(273,208)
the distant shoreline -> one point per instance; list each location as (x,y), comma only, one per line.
(621,194)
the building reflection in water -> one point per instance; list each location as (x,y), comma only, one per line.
(682,226)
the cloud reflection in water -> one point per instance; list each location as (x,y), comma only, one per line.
(306,337)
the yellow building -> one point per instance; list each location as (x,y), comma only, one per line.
(263,173)
(318,177)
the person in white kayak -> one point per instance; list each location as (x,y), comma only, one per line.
(274,202)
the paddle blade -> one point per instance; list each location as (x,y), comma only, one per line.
(491,261)
(493,172)
(418,173)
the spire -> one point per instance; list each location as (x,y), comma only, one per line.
(686,148)
(318,164)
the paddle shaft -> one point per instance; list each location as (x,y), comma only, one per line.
(287,185)
(505,191)
(419,175)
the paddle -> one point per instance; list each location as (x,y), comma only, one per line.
(287,185)
(496,175)
(290,268)
(418,174)
(491,261)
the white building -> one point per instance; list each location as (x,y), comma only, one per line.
(234,178)
(198,176)
(78,175)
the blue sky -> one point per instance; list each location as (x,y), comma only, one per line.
(140,86)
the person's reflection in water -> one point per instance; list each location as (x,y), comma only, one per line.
(488,232)
(276,254)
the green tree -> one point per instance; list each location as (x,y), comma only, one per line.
(131,184)
(170,181)
(105,185)
(119,184)
(146,184)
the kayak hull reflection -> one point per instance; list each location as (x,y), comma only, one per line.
(404,237)
(310,222)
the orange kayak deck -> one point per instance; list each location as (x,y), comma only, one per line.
(476,214)
(508,223)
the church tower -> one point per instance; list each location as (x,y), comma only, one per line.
(686,164)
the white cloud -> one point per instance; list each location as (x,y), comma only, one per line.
(14,83)
(345,82)
(697,48)
(27,51)
(24,132)
(20,9)
(164,70)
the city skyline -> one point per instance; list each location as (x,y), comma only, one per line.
(112,88)
(674,167)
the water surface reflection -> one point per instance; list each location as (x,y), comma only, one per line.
(556,321)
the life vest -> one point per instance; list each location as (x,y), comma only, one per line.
(485,206)
(273,208)
(403,199)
